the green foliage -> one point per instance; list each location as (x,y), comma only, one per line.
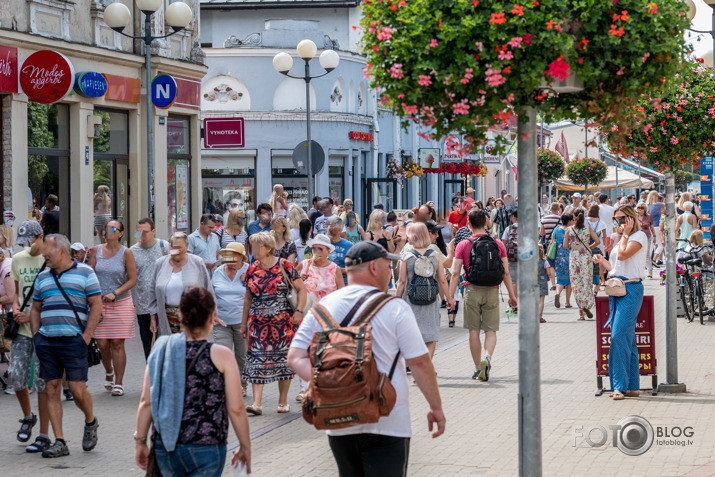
(675,128)
(38,135)
(465,65)
(586,171)
(683,178)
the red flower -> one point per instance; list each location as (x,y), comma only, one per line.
(475,3)
(518,10)
(559,69)
(551,24)
(498,18)
(652,8)
(617,31)
(527,38)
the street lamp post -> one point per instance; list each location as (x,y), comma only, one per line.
(178,16)
(283,62)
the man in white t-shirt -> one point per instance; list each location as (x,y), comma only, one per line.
(605,213)
(381,448)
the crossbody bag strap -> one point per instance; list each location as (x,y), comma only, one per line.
(394,365)
(64,294)
(193,361)
(581,242)
(27,296)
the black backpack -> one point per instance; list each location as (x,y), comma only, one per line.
(423,288)
(485,265)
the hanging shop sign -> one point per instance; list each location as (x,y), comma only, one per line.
(121,88)
(188,92)
(223,133)
(8,69)
(361,136)
(90,84)
(490,156)
(163,91)
(428,157)
(46,76)
(706,197)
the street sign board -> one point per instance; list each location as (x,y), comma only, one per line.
(300,157)
(429,157)
(46,76)
(90,84)
(706,196)
(8,69)
(223,132)
(645,339)
(163,91)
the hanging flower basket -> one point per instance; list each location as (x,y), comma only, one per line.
(586,171)
(463,168)
(395,171)
(551,165)
(412,169)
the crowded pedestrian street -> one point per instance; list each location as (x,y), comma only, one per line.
(481,436)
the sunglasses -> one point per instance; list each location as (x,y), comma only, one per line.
(113,229)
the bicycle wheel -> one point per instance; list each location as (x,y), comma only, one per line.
(692,296)
(684,298)
(700,300)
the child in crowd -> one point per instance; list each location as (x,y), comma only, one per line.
(543,281)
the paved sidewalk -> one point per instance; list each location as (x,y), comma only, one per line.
(481,436)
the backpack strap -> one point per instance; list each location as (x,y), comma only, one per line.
(323,317)
(356,307)
(372,309)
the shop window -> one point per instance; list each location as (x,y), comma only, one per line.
(178,179)
(336,184)
(48,160)
(225,189)
(111,172)
(294,183)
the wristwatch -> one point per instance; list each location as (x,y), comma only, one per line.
(139,439)
(298,311)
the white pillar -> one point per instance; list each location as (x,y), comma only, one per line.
(81,174)
(21,205)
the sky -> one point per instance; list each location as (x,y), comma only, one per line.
(702,21)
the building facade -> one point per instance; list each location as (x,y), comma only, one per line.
(89,147)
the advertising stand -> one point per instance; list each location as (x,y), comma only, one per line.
(645,339)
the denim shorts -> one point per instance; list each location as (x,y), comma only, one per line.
(62,355)
(190,459)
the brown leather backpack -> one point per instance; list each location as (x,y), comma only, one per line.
(346,388)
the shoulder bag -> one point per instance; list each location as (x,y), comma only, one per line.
(553,245)
(94,355)
(292,295)
(11,326)
(616,286)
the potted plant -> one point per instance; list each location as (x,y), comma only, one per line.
(551,165)
(586,171)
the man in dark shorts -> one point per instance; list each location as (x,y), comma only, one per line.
(60,341)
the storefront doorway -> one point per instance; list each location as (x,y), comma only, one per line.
(378,191)
(48,161)
(111,173)
(452,188)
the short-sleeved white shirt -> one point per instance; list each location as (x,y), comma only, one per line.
(394,329)
(634,267)
(605,212)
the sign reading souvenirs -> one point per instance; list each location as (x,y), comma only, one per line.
(223,132)
(163,91)
(645,341)
(90,84)
(8,69)
(361,136)
(46,76)
(706,197)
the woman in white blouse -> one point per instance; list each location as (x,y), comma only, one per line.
(627,262)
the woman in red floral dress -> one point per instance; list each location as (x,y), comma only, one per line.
(269,322)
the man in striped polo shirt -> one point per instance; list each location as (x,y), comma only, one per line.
(60,341)
(548,224)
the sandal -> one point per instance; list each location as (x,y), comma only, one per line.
(254,409)
(451,323)
(300,396)
(25,432)
(282,409)
(109,385)
(618,396)
(581,318)
(117,390)
(568,306)
(588,313)
(557,301)
(629,394)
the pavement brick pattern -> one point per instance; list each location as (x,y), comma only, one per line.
(481,436)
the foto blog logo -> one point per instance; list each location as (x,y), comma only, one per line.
(632,435)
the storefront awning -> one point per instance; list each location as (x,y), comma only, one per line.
(644,171)
(625,180)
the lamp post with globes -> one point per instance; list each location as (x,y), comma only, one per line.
(283,62)
(178,16)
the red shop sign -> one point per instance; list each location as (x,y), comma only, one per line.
(46,76)
(223,132)
(8,69)
(361,136)
(645,338)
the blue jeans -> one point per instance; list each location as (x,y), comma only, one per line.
(190,459)
(623,354)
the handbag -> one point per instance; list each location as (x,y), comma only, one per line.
(94,355)
(11,326)
(292,295)
(617,286)
(551,254)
